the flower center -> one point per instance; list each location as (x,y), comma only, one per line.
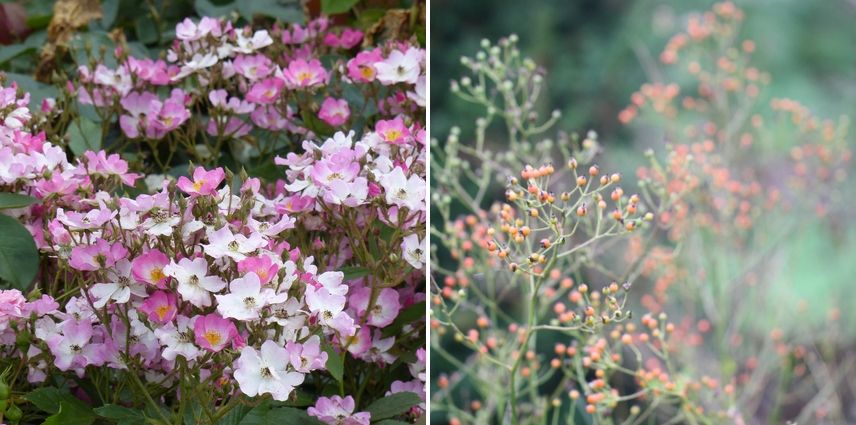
(234,245)
(156,274)
(367,72)
(213,337)
(249,302)
(302,77)
(160,217)
(194,280)
(392,135)
(197,185)
(161,311)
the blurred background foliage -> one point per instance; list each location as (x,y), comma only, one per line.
(598,52)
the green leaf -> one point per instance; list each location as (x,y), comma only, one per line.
(146,29)
(369,17)
(39,13)
(109,11)
(71,413)
(391,422)
(286,11)
(8,53)
(15,200)
(317,125)
(333,7)
(121,415)
(408,315)
(256,416)
(83,135)
(236,415)
(19,258)
(264,414)
(290,416)
(87,46)
(393,405)
(335,362)
(207,8)
(355,272)
(52,399)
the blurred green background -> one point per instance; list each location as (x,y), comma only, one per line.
(593,51)
(596,53)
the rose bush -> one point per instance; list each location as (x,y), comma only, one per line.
(282,269)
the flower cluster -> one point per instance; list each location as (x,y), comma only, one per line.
(241,83)
(220,287)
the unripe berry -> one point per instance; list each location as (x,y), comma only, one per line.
(572,164)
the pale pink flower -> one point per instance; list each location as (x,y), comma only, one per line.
(160,307)
(336,410)
(214,333)
(302,74)
(334,112)
(148,268)
(204,182)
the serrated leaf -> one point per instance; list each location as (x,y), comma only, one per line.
(15,200)
(354,272)
(290,416)
(71,413)
(83,135)
(333,7)
(121,415)
(19,258)
(335,362)
(235,416)
(51,400)
(393,405)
